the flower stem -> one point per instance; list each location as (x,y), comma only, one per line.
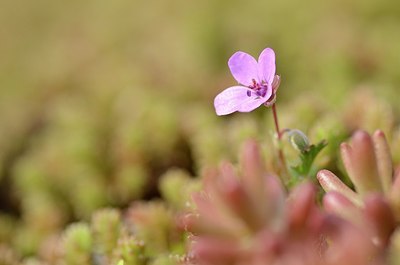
(281,156)
(278,131)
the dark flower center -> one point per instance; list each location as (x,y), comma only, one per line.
(259,89)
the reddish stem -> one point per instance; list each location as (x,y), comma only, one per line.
(279,133)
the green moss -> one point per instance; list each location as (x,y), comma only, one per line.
(77,244)
(106,225)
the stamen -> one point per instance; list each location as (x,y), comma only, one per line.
(254,83)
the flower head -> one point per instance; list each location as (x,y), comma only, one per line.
(258,83)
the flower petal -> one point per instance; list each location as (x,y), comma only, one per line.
(266,65)
(243,68)
(271,95)
(237,98)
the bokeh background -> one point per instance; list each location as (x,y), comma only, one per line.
(100,100)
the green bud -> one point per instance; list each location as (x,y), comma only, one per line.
(298,140)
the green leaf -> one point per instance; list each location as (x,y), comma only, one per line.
(307,157)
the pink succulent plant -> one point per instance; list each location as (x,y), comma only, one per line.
(258,83)
(368,163)
(247,218)
(375,203)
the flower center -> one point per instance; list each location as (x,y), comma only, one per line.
(259,89)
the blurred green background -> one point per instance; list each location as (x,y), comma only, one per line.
(99,99)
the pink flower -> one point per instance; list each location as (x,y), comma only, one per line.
(258,83)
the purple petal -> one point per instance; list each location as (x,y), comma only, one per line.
(266,65)
(236,99)
(243,68)
(271,97)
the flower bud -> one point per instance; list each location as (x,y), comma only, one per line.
(276,83)
(298,140)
